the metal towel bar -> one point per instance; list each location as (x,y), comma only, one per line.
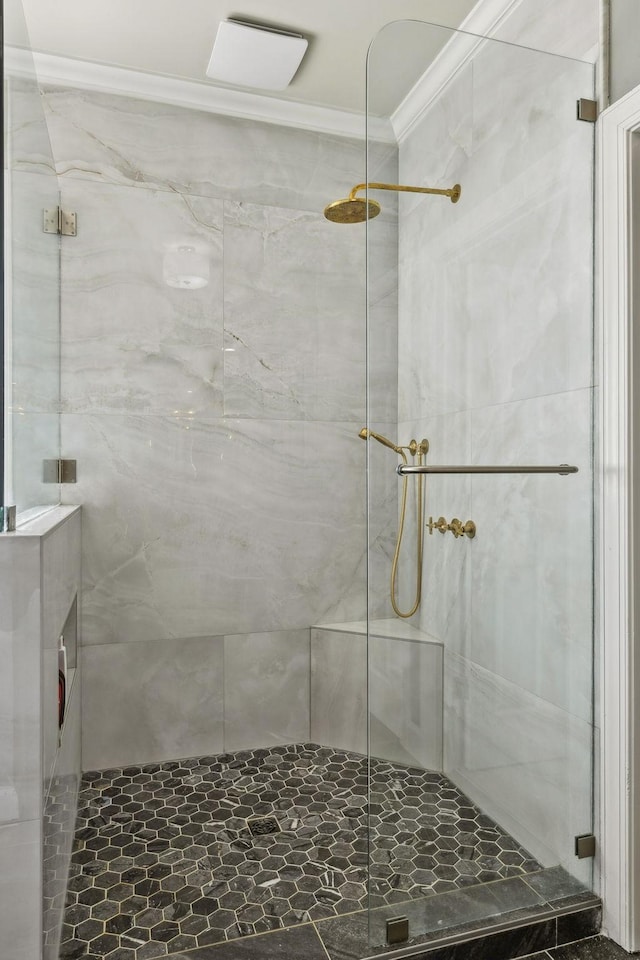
(562,469)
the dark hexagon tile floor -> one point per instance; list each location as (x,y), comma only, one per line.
(173,856)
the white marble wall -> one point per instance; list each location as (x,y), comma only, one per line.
(495,366)
(216,430)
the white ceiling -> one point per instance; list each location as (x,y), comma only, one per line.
(174,38)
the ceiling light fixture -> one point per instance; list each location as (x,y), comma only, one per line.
(250,55)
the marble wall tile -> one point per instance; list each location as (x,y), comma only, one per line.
(405,701)
(446,579)
(163,700)
(266,689)
(382,325)
(154,145)
(59,823)
(60,578)
(440,143)
(34,294)
(203,528)
(20,890)
(532,566)
(486,333)
(20,678)
(524,761)
(339,689)
(29,143)
(382,492)
(131,343)
(570,29)
(35,437)
(294,315)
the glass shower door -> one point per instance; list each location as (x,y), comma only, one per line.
(32,284)
(480,701)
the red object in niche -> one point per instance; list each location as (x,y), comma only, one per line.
(62,696)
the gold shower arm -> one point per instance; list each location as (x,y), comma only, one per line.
(454,192)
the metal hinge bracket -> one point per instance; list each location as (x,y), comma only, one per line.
(587,110)
(59,471)
(585,846)
(62,222)
(397,930)
(7,519)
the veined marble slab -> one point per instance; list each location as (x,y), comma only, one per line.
(119,139)
(130,342)
(294,316)
(210,527)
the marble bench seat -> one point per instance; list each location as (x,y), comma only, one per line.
(405,668)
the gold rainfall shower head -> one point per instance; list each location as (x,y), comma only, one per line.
(354,209)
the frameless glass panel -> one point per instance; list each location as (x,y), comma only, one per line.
(32,282)
(480,585)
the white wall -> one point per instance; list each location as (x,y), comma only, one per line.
(215,429)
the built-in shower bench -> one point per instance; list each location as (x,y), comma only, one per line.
(404,667)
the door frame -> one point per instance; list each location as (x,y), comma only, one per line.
(619,526)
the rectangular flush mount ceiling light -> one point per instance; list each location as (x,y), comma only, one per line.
(253,56)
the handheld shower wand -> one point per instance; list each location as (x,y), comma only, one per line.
(365,434)
(421,450)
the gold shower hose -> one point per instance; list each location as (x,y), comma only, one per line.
(420,540)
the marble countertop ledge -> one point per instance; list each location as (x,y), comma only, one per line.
(42,524)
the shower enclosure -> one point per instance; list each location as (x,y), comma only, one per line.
(273,743)
(489,686)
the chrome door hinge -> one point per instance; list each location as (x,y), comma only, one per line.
(585,846)
(62,222)
(7,519)
(587,110)
(59,471)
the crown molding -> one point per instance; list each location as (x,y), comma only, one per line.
(485,18)
(64,71)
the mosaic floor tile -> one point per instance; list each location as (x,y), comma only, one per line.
(174,856)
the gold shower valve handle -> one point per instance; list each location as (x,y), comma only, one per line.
(457,528)
(460,529)
(439,524)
